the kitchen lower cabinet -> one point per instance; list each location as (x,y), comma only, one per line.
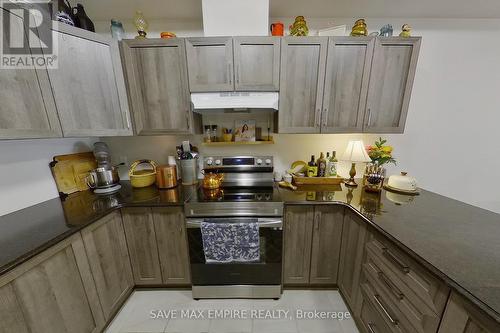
(302,76)
(326,241)
(391,80)
(210,64)
(171,236)
(27,109)
(461,316)
(107,252)
(256,63)
(354,237)
(142,245)
(299,221)
(52,293)
(88,85)
(157,80)
(312,239)
(348,68)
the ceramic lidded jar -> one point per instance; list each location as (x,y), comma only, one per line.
(403,182)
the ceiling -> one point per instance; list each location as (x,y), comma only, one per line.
(191,9)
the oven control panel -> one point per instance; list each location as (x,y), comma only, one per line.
(237,162)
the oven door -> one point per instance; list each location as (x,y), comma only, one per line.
(267,271)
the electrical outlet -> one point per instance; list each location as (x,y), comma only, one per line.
(124,159)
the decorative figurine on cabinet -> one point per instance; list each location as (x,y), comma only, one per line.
(141,24)
(299,27)
(406,31)
(359,28)
(386,31)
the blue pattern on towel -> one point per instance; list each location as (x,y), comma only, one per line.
(230,242)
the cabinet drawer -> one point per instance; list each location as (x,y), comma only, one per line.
(370,320)
(416,313)
(385,310)
(422,284)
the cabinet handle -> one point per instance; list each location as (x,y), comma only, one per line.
(237,74)
(325,117)
(371,328)
(401,265)
(229,73)
(318,117)
(187,120)
(382,307)
(369,122)
(395,290)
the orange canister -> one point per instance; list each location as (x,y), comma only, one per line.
(277,29)
(166,176)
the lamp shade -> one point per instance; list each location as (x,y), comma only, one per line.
(355,152)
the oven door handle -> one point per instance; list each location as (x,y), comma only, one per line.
(269,223)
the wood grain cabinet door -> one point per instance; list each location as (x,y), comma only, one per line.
(354,237)
(299,222)
(157,81)
(461,316)
(302,76)
(88,84)
(171,236)
(53,292)
(256,63)
(142,247)
(391,81)
(107,252)
(326,241)
(210,64)
(346,84)
(27,108)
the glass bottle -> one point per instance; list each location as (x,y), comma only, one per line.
(207,135)
(312,169)
(332,165)
(117,31)
(321,165)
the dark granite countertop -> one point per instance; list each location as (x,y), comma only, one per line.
(25,233)
(458,242)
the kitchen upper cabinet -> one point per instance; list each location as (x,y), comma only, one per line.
(210,64)
(171,236)
(257,63)
(303,62)
(157,79)
(106,249)
(298,231)
(354,238)
(88,84)
(142,246)
(391,80)
(27,109)
(53,292)
(461,316)
(326,240)
(346,84)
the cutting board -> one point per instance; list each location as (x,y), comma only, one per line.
(70,170)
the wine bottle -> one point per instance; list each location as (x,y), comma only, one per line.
(321,165)
(332,165)
(312,168)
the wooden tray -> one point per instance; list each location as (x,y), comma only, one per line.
(317,180)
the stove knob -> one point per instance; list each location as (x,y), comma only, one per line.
(268,197)
(268,161)
(259,196)
(217,162)
(259,161)
(209,161)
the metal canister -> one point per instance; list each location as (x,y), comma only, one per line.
(166,176)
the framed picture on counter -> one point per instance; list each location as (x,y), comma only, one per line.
(244,130)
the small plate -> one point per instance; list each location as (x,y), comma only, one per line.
(397,190)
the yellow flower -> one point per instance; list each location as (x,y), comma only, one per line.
(387,149)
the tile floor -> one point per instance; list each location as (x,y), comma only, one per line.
(146,311)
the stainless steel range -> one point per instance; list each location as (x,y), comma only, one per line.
(248,196)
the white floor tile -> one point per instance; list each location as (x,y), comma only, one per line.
(134,317)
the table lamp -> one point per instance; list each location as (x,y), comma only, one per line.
(355,153)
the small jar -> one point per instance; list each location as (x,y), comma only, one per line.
(117,31)
(214,133)
(207,134)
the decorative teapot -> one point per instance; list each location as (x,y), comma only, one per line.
(212,180)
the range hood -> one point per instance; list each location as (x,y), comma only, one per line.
(235,100)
